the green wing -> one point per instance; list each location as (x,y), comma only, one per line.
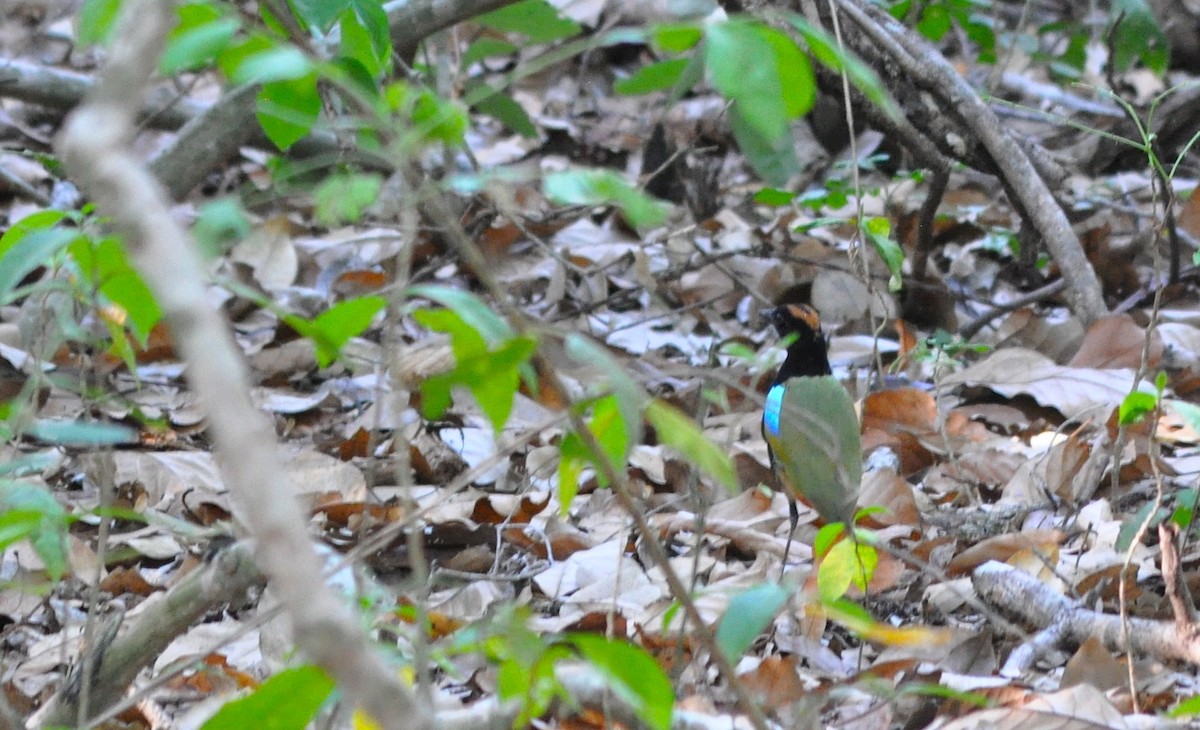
(818,449)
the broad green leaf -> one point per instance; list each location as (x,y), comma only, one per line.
(795,74)
(319,14)
(605,187)
(1135,406)
(774,197)
(287,110)
(847,563)
(1136,36)
(41,220)
(630,397)
(741,65)
(105,266)
(492,377)
(220,224)
(538,20)
(635,676)
(826,51)
(677,38)
(682,434)
(49,536)
(279,63)
(342,198)
(774,160)
(438,119)
(96,20)
(193,46)
(653,77)
(613,433)
(879,232)
(81,433)
(486,48)
(469,307)
(334,327)
(503,108)
(24,253)
(365,37)
(232,58)
(287,701)
(935,22)
(1130,526)
(747,616)
(570,470)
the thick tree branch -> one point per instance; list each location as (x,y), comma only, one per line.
(95,145)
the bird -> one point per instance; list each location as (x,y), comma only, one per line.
(810,425)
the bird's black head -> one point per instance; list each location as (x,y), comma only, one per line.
(808,355)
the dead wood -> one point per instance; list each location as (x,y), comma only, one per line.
(952,122)
(95,147)
(160,620)
(1067,623)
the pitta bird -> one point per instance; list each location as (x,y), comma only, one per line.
(810,424)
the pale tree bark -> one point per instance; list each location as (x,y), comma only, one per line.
(95,146)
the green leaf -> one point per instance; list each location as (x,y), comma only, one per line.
(879,232)
(1135,406)
(49,536)
(1136,36)
(219,224)
(96,20)
(365,37)
(773,159)
(486,48)
(438,119)
(585,351)
(635,676)
(538,20)
(105,266)
(492,378)
(81,433)
(770,83)
(1187,708)
(503,108)
(1130,527)
(342,198)
(605,187)
(334,327)
(682,434)
(469,307)
(319,14)
(278,63)
(826,50)
(847,562)
(677,38)
(748,615)
(774,197)
(287,110)
(570,469)
(194,45)
(935,22)
(653,77)
(287,701)
(26,252)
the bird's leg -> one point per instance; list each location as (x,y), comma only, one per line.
(793,521)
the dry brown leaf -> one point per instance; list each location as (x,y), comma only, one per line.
(892,492)
(1116,341)
(1079,393)
(1003,547)
(1093,664)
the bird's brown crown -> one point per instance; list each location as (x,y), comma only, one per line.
(807,355)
